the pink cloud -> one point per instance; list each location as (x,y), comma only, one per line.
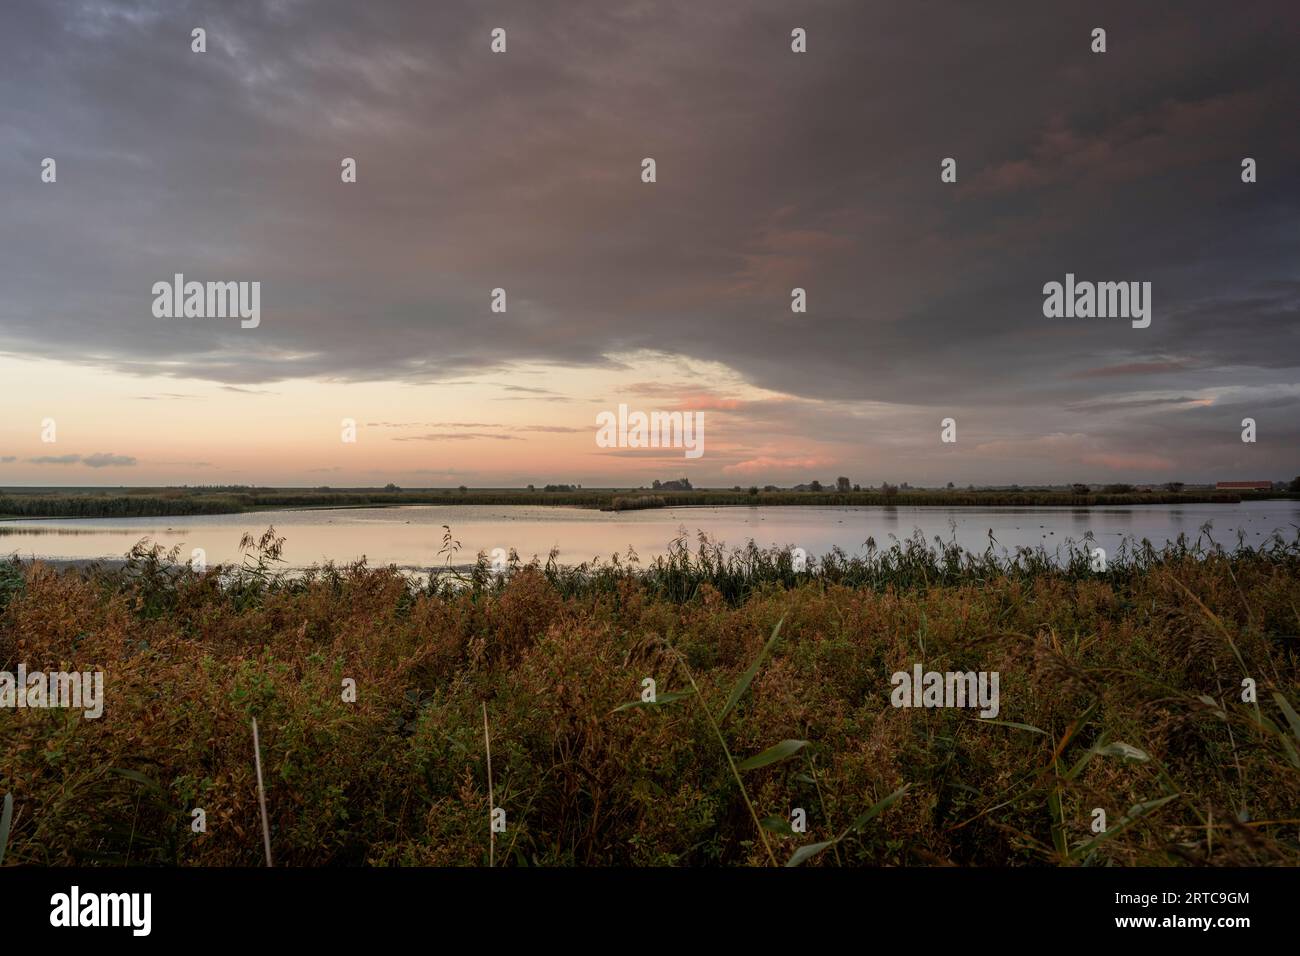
(766,464)
(703,402)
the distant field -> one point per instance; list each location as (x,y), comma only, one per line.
(143,502)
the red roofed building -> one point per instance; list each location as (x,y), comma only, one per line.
(1244,486)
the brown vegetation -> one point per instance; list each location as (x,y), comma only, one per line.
(1149,657)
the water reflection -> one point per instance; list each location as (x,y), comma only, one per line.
(412,536)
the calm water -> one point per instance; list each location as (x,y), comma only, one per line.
(411,537)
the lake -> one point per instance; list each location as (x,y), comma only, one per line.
(410,537)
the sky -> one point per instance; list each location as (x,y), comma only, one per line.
(523,171)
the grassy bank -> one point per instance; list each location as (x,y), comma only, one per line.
(159,502)
(1120,690)
(637,502)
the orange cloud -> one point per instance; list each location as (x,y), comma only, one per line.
(702,402)
(765,464)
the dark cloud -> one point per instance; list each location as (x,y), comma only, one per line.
(775,170)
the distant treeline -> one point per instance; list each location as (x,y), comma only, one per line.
(130,505)
(159,502)
(947,498)
(116,506)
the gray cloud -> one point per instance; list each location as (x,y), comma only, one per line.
(107,460)
(98,460)
(775,170)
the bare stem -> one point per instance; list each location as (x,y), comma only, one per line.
(492,833)
(261,794)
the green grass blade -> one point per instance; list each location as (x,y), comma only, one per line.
(137,777)
(1123,750)
(6,819)
(1010,723)
(1291,753)
(1292,717)
(805,853)
(877,808)
(660,699)
(782,751)
(747,678)
(1135,813)
(1213,704)
(1058,823)
(1085,758)
(777,825)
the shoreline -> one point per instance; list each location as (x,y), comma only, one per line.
(608,501)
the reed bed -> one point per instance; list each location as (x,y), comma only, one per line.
(637,502)
(1120,690)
